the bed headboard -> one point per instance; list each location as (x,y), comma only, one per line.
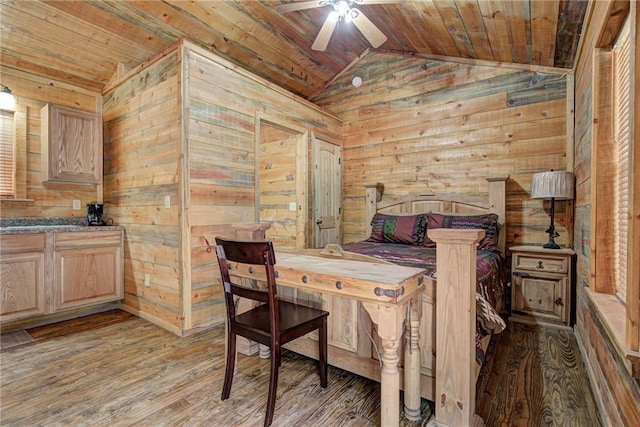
(455,203)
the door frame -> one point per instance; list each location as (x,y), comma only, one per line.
(302,168)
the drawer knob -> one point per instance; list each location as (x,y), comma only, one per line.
(539,266)
(559,301)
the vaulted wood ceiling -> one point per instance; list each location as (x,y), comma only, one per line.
(83,42)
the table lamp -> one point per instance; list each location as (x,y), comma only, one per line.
(552,185)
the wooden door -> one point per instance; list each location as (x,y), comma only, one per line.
(327,193)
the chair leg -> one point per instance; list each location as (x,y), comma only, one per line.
(230,365)
(322,353)
(273,384)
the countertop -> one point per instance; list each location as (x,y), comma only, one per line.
(50,225)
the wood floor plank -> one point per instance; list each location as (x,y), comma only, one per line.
(118,370)
(534,377)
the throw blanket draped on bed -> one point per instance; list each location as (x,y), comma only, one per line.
(490,277)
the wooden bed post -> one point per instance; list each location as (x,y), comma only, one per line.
(372,197)
(498,205)
(455,396)
(412,361)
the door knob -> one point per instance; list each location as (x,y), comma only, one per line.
(319,222)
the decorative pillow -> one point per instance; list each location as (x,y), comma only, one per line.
(486,222)
(489,321)
(403,229)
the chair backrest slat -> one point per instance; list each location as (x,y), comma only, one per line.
(254,294)
(252,253)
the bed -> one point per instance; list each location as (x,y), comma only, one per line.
(353,338)
(401,238)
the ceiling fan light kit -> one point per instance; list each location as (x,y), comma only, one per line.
(343,10)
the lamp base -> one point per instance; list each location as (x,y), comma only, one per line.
(551,244)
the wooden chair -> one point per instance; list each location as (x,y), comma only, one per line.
(273,323)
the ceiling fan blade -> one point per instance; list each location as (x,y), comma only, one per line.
(367,2)
(302,5)
(369,30)
(323,37)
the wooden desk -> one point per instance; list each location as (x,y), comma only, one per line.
(386,291)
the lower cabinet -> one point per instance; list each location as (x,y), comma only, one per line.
(88,269)
(53,272)
(22,270)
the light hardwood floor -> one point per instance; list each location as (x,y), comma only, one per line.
(118,370)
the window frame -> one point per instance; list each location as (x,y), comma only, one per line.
(622,317)
(8,149)
(20,156)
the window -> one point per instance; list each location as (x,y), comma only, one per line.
(7,155)
(621,140)
(13,156)
(615,225)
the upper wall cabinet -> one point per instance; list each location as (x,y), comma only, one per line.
(71,146)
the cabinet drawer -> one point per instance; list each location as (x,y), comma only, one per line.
(16,243)
(547,264)
(87,239)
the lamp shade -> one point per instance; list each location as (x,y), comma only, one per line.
(552,185)
(7,100)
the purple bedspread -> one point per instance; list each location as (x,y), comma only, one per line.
(490,273)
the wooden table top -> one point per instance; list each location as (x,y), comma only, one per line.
(361,280)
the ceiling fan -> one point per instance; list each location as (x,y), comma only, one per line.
(343,10)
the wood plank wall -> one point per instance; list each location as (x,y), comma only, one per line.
(421,125)
(226,107)
(184,127)
(142,128)
(617,393)
(33,93)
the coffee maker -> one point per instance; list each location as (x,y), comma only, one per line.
(95,212)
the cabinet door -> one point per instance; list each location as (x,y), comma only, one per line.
(88,275)
(72,145)
(543,297)
(22,285)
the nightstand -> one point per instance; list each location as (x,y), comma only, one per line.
(541,285)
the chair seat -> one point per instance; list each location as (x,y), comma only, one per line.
(292,316)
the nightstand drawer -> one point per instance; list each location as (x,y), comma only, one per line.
(540,263)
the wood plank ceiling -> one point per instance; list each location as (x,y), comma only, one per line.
(83,42)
